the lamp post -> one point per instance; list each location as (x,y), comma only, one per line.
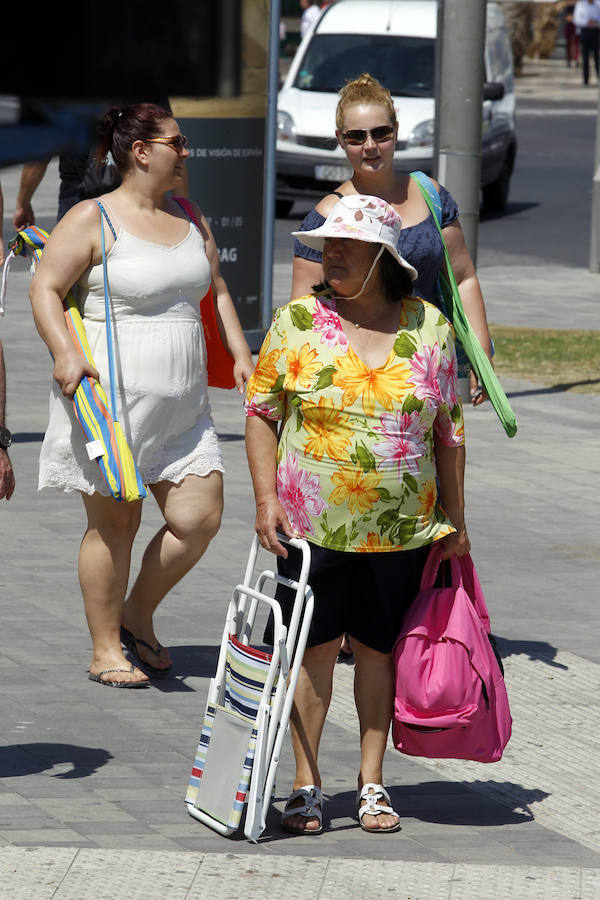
(266,299)
(460,76)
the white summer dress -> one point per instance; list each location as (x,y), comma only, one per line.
(162,393)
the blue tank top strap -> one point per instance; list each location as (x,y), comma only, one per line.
(105,214)
(312,219)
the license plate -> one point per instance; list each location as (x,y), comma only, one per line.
(332,173)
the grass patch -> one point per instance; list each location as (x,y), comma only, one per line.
(564,359)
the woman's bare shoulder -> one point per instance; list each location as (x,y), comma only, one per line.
(85,213)
(80,223)
(325,205)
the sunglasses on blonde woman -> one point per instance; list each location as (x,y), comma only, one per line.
(359,135)
(177,141)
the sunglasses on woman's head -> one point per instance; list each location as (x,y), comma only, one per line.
(359,135)
(177,141)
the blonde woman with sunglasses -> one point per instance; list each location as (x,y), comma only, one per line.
(367,129)
(160,265)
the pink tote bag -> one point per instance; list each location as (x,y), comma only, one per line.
(451,700)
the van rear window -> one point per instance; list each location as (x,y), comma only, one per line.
(404,65)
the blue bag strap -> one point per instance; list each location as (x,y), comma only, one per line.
(108,222)
(107,315)
(428,185)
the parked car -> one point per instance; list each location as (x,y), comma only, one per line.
(394,40)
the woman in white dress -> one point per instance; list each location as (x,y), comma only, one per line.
(160,265)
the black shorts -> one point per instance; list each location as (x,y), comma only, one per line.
(363,594)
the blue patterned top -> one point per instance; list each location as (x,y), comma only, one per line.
(419,244)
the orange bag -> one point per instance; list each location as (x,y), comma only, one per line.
(219,361)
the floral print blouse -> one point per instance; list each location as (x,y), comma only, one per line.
(355,460)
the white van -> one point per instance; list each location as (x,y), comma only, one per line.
(393,40)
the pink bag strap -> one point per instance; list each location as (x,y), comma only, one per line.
(464,575)
(432,565)
(187,207)
(472,586)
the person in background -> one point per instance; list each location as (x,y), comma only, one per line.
(311,12)
(586,17)
(2,252)
(81,177)
(367,131)
(355,442)
(571,36)
(7,478)
(160,266)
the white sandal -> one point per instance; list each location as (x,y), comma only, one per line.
(312,808)
(373,808)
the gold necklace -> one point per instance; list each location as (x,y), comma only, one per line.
(359,324)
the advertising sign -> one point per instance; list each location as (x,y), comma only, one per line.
(225,170)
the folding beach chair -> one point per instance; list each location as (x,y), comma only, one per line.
(249,704)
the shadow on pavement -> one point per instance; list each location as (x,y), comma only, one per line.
(438,802)
(533,649)
(189,661)
(226,437)
(30,759)
(460,803)
(554,388)
(512,209)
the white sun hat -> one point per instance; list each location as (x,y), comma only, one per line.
(363,218)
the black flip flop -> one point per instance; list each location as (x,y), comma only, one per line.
(130,641)
(118,684)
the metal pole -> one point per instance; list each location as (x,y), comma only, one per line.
(595,229)
(266,299)
(459,109)
(439,47)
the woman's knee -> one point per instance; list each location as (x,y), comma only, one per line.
(210,522)
(115,522)
(193,510)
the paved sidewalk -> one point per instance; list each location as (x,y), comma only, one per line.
(92,781)
(552,80)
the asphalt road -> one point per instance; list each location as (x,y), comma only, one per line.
(548,215)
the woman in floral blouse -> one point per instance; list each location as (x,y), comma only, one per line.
(353,420)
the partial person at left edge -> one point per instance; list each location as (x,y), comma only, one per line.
(7,477)
(81,177)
